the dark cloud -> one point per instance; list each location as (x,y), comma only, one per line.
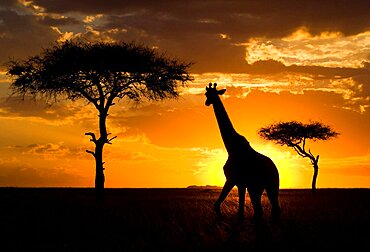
(53,21)
(48,149)
(364,81)
(9,3)
(190,30)
(241,17)
(25,175)
(361,76)
(318,72)
(51,151)
(16,106)
(59,112)
(22,35)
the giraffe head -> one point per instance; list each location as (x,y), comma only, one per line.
(212,93)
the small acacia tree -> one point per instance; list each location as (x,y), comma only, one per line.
(295,135)
(99,73)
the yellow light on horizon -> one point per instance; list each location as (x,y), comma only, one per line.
(291,168)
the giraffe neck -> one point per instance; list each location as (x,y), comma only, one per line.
(226,128)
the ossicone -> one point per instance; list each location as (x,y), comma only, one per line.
(210,86)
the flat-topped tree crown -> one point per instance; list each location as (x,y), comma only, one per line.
(293,132)
(99,71)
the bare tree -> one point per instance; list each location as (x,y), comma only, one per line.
(295,135)
(99,73)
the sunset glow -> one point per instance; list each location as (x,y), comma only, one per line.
(275,66)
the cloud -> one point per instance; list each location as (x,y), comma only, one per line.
(20,173)
(327,49)
(59,113)
(21,35)
(52,151)
(263,17)
(352,84)
(56,20)
(208,33)
(48,151)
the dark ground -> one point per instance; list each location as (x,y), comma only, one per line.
(68,219)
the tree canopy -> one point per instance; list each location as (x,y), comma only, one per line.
(292,133)
(295,135)
(76,69)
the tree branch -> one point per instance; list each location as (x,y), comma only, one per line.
(109,140)
(110,100)
(93,138)
(88,97)
(299,153)
(91,152)
(101,93)
(312,155)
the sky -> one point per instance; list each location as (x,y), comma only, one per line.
(278,60)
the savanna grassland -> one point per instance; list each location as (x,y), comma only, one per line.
(68,219)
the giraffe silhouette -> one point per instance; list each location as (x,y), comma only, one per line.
(245,168)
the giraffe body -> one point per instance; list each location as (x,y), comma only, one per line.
(245,168)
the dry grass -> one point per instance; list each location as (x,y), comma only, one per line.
(179,220)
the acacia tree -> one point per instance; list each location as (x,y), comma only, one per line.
(99,73)
(295,135)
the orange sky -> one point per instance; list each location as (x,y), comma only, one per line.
(277,62)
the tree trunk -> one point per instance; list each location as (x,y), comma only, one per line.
(315,173)
(99,173)
(99,169)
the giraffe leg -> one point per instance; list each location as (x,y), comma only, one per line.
(255,196)
(225,191)
(241,191)
(272,194)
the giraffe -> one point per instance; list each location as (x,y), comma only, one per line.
(245,168)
